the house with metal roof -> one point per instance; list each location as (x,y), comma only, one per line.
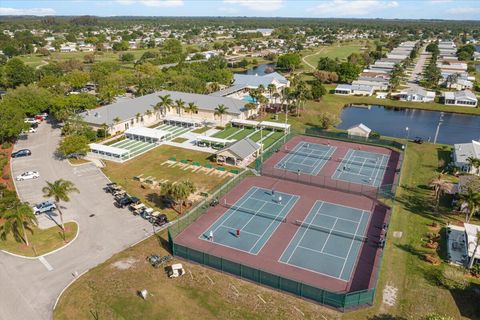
(416,95)
(465,98)
(354,89)
(139,112)
(239,153)
(462,152)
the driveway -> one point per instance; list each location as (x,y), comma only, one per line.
(417,72)
(31,286)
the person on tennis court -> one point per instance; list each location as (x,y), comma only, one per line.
(273,191)
(280,199)
(238,233)
(210,236)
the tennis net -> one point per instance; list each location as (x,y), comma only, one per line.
(327,230)
(311,154)
(254,213)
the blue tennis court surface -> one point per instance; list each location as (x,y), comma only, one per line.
(362,167)
(328,241)
(308,158)
(257,214)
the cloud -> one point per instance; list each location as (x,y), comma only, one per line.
(439,1)
(152,3)
(343,8)
(26,12)
(228,10)
(258,5)
(464,10)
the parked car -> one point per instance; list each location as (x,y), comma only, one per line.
(28,175)
(112,188)
(43,115)
(126,201)
(21,153)
(44,207)
(418,140)
(31,120)
(39,117)
(158,219)
(32,130)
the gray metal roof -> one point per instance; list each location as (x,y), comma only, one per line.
(127,108)
(255,80)
(242,148)
(228,91)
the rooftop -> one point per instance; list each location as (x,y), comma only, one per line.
(463,151)
(256,80)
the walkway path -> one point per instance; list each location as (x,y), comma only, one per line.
(313,54)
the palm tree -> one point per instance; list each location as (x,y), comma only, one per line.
(164,105)
(180,105)
(59,190)
(191,108)
(178,192)
(117,120)
(439,185)
(276,95)
(18,220)
(271,89)
(148,113)
(220,110)
(474,163)
(137,116)
(472,199)
(250,106)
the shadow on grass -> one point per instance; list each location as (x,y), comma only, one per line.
(465,300)
(160,201)
(386,316)
(412,250)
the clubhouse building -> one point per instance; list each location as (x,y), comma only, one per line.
(139,112)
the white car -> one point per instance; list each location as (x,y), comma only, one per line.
(32,130)
(31,120)
(28,175)
(45,206)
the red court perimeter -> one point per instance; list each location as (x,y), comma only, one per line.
(364,273)
(324,177)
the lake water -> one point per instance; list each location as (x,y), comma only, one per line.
(455,128)
(260,69)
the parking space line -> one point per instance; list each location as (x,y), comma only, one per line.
(45,263)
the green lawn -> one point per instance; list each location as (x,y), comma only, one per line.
(179,140)
(201,130)
(226,132)
(41,241)
(150,164)
(337,50)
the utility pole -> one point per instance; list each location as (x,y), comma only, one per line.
(440,121)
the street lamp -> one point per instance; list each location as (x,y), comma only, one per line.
(407,132)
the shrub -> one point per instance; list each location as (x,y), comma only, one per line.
(6,145)
(453,278)
(475,270)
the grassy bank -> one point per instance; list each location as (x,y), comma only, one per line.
(41,241)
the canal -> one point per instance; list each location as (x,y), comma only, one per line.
(393,122)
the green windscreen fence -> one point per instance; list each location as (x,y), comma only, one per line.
(340,301)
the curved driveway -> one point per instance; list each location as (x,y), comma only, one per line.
(29,287)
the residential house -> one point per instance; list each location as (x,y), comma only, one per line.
(416,95)
(464,151)
(350,89)
(465,98)
(378,84)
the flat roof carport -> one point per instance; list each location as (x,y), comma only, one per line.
(109,151)
(147,134)
(213,140)
(275,125)
(245,123)
(188,121)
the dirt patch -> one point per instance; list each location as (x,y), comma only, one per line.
(390,295)
(124,264)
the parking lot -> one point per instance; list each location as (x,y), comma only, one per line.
(30,287)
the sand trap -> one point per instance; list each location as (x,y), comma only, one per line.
(124,264)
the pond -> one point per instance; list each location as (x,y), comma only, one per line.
(260,69)
(388,121)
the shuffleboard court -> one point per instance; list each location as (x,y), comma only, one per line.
(362,167)
(257,214)
(306,158)
(328,240)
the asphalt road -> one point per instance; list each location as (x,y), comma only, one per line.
(29,287)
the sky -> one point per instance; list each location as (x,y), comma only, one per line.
(400,9)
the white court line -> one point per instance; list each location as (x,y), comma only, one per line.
(45,263)
(303,235)
(330,216)
(278,224)
(325,253)
(233,229)
(351,245)
(329,234)
(314,271)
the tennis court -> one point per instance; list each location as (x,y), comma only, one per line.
(306,157)
(328,240)
(257,214)
(362,167)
